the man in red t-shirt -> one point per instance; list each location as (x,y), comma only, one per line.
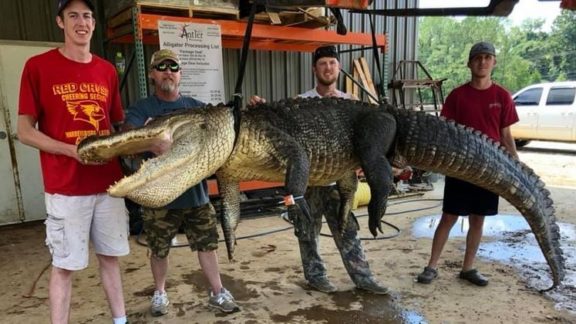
(487,107)
(69,94)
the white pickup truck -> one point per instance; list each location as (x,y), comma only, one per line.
(547,112)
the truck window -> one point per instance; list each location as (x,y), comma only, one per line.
(561,96)
(530,97)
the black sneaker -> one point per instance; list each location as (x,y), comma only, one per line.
(427,275)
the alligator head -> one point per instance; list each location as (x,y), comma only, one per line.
(198,138)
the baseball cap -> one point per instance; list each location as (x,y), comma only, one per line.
(162,55)
(481,48)
(64,3)
(324,51)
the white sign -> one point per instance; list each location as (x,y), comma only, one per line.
(199,47)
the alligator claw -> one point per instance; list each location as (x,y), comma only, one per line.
(375,225)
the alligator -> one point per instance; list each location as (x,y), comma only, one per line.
(315,142)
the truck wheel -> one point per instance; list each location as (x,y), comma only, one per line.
(521,143)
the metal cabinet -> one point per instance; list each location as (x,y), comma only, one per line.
(21,187)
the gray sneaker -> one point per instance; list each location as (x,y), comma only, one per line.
(223,301)
(160,304)
(322,284)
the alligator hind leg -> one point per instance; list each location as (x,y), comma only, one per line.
(290,154)
(373,141)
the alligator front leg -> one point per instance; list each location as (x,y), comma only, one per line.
(347,187)
(230,212)
(296,183)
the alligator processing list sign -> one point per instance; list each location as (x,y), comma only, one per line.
(200,49)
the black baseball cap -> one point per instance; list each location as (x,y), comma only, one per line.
(325,51)
(64,3)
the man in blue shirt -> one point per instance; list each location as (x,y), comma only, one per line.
(192,209)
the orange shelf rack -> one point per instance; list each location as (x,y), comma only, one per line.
(264,37)
(244,186)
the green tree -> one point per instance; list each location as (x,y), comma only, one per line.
(526,54)
(563,45)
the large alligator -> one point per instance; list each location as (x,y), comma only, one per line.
(317,142)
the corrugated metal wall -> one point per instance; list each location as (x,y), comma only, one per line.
(32,20)
(274,75)
(277,75)
(35,20)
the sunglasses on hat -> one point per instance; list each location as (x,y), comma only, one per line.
(162,67)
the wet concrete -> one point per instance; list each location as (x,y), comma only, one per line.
(508,239)
(355,307)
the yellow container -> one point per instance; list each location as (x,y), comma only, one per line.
(362,195)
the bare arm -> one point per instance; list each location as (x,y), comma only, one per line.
(508,141)
(28,134)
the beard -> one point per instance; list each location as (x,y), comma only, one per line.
(327,81)
(168,85)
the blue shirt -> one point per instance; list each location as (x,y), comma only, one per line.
(138,113)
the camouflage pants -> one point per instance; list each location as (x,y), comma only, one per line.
(326,201)
(161,225)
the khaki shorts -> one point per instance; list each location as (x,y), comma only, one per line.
(161,225)
(73,222)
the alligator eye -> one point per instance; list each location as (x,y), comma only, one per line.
(202,126)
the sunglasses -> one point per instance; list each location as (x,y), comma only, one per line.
(174,67)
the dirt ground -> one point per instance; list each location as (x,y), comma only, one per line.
(267,279)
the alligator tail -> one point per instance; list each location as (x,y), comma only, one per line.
(433,144)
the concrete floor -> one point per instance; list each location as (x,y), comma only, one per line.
(268,284)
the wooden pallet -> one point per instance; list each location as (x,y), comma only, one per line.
(125,15)
(305,18)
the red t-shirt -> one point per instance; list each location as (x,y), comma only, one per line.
(488,111)
(70,101)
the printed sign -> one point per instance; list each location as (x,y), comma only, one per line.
(199,47)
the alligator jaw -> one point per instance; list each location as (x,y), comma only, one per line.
(201,141)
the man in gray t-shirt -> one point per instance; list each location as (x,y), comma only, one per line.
(326,200)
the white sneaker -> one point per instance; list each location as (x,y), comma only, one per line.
(160,303)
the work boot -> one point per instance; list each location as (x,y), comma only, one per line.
(368,284)
(322,284)
(159,303)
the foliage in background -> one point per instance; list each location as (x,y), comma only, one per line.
(526,54)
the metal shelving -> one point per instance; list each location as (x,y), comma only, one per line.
(143,30)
